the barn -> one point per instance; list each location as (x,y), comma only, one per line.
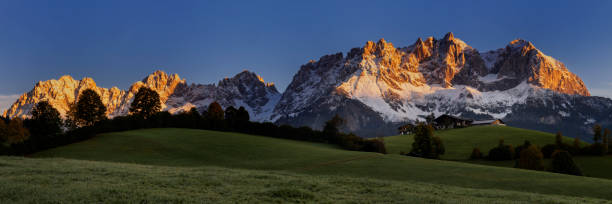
(406,129)
(489,122)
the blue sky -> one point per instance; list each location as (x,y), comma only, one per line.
(120,42)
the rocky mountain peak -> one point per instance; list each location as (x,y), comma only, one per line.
(66,79)
(247,78)
(245,89)
(521,46)
(449,37)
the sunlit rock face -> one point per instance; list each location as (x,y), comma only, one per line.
(380,85)
(245,89)
(65,91)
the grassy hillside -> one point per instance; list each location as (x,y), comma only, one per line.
(183,148)
(460,142)
(190,147)
(26,180)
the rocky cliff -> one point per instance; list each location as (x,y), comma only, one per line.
(245,89)
(379,85)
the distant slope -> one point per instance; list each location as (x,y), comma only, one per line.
(460,142)
(197,148)
(74,181)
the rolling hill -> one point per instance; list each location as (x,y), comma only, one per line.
(183,150)
(55,180)
(460,142)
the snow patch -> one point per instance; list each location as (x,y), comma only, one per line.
(564,114)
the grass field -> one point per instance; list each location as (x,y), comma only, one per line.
(52,180)
(188,149)
(460,142)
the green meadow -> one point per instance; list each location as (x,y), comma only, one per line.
(185,165)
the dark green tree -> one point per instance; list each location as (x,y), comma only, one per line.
(243,115)
(596,133)
(192,118)
(332,129)
(46,120)
(425,144)
(531,158)
(89,108)
(146,103)
(606,139)
(563,163)
(231,114)
(576,145)
(4,132)
(558,139)
(476,154)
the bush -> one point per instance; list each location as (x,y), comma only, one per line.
(374,145)
(518,149)
(597,149)
(548,150)
(563,163)
(531,158)
(476,154)
(501,152)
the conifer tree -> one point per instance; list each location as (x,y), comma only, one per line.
(597,133)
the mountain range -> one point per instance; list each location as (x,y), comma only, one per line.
(378,87)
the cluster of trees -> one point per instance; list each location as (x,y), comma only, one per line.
(529,156)
(426,144)
(87,117)
(12,132)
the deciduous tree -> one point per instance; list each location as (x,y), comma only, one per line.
(146,103)
(89,108)
(46,120)
(215,112)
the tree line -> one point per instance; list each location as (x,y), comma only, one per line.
(87,117)
(531,156)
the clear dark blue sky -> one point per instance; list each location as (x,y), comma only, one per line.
(119,42)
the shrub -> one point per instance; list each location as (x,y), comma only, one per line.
(374,145)
(520,148)
(597,149)
(501,152)
(531,158)
(548,150)
(558,138)
(476,154)
(563,163)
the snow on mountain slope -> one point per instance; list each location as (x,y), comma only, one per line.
(440,76)
(245,89)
